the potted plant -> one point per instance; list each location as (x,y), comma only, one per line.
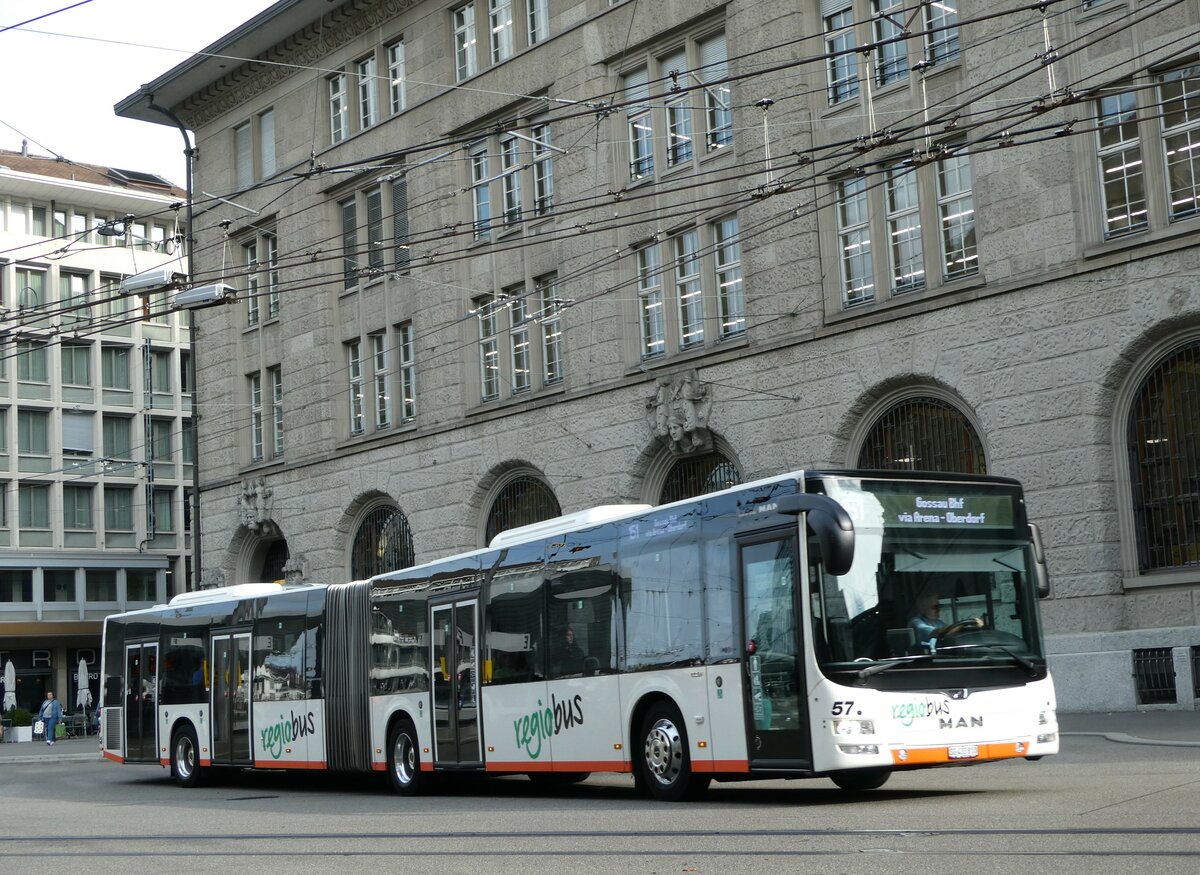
(22,724)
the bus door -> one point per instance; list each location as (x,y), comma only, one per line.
(776,707)
(141,702)
(455,651)
(230,706)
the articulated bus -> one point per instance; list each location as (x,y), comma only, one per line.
(840,624)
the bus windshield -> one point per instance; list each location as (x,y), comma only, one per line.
(942,571)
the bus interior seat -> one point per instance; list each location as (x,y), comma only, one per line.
(901,642)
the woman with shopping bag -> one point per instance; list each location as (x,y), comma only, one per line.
(49,715)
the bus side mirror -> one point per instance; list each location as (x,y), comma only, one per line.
(829,522)
(1042,576)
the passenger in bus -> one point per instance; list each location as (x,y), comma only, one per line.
(568,659)
(927,622)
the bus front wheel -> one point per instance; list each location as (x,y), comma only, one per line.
(404,760)
(185,766)
(665,761)
(860,780)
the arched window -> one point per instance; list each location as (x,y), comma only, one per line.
(274,558)
(523,500)
(923,434)
(698,476)
(383,543)
(1163,441)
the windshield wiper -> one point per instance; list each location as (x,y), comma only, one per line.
(1024,661)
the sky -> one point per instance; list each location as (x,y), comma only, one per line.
(63,73)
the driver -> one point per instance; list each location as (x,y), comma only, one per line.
(927,623)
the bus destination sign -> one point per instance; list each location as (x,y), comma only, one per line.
(950,511)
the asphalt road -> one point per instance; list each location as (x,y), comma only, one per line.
(1098,807)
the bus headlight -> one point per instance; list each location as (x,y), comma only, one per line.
(859,748)
(853,727)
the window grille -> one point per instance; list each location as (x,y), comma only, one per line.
(522,502)
(1163,442)
(923,434)
(689,478)
(1196,672)
(383,543)
(1154,675)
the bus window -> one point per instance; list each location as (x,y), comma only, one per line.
(314,645)
(183,664)
(114,663)
(514,631)
(584,615)
(398,638)
(662,596)
(279,649)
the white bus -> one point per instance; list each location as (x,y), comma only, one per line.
(840,624)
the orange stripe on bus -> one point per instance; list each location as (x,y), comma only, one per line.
(559,766)
(116,758)
(720,765)
(929,755)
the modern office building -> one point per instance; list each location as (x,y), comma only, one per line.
(501,259)
(95,406)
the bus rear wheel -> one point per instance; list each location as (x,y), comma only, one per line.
(404,760)
(860,781)
(665,762)
(185,765)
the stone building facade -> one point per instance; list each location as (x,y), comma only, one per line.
(505,258)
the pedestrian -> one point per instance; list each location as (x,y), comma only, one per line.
(50,714)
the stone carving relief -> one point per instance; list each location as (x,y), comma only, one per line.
(679,410)
(254,506)
(295,570)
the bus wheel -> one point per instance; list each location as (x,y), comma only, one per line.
(859,781)
(404,760)
(184,765)
(666,764)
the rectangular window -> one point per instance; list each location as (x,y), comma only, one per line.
(489,349)
(538,18)
(243,156)
(355,376)
(114,367)
(400,222)
(1179,96)
(58,584)
(376,257)
(941,27)
(160,439)
(842,63)
(339,121)
(718,116)
(164,510)
(679,111)
(688,291)
(31,288)
(266,143)
(271,244)
(481,200)
(250,259)
(76,364)
(141,585)
(275,375)
(118,514)
(854,240)
(501,27)
(731,298)
(368,101)
(256,418)
(408,372)
(465,65)
(101,584)
(34,505)
(349,213)
(185,372)
(510,167)
(78,437)
(543,170)
(187,442)
(641,125)
(31,361)
(956,211)
(650,301)
(117,443)
(519,353)
(33,432)
(550,318)
(381,357)
(906,258)
(1122,180)
(73,293)
(160,370)
(77,507)
(395,60)
(891,58)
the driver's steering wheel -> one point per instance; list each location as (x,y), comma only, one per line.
(961,626)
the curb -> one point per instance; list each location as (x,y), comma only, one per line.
(1122,738)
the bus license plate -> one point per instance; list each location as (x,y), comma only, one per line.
(962,751)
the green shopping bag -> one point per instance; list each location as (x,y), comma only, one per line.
(60,730)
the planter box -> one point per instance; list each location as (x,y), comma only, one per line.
(19,733)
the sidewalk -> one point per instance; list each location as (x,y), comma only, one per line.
(1167,728)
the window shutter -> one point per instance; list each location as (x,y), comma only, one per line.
(243,156)
(676,61)
(636,89)
(400,221)
(77,433)
(714,58)
(266,142)
(832,7)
